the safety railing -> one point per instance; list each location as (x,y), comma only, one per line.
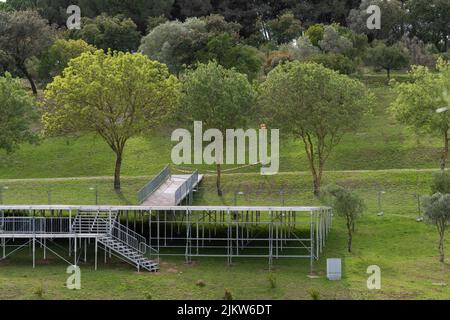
(150,187)
(186,187)
(128,237)
(35,225)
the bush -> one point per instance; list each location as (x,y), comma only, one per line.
(200,283)
(228,295)
(272,280)
(39,291)
(337,62)
(440,183)
(314,294)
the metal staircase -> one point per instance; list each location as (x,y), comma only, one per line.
(123,242)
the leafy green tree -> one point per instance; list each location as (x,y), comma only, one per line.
(56,58)
(315,33)
(24,35)
(220,98)
(387,58)
(182,44)
(137,10)
(417,102)
(429,21)
(347,204)
(16,114)
(393,20)
(225,51)
(284,28)
(315,104)
(333,42)
(117,95)
(437,212)
(175,43)
(337,62)
(105,32)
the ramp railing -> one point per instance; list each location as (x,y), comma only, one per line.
(150,187)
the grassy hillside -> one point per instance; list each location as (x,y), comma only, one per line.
(381,143)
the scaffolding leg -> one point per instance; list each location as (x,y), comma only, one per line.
(34,252)
(96,248)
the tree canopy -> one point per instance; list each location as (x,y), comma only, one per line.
(314,104)
(23,35)
(117,95)
(417,102)
(220,98)
(16,114)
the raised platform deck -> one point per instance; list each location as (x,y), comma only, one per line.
(165,195)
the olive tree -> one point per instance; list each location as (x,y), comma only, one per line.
(117,95)
(437,212)
(24,35)
(220,98)
(345,203)
(417,102)
(315,104)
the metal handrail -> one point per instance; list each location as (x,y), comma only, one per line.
(151,186)
(33,225)
(127,236)
(186,187)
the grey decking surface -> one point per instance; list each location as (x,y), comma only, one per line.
(165,194)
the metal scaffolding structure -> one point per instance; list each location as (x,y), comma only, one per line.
(142,234)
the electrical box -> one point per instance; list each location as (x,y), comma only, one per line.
(334,269)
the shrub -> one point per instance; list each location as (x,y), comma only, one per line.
(200,283)
(228,295)
(337,62)
(272,280)
(314,294)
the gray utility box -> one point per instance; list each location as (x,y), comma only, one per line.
(334,269)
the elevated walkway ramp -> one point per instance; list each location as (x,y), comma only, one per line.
(169,190)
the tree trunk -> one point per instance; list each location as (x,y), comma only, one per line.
(219,172)
(117,171)
(350,236)
(388,74)
(444,157)
(316,184)
(30,79)
(441,247)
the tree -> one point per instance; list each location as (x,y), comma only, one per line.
(16,114)
(393,20)
(105,32)
(333,42)
(387,58)
(440,183)
(315,33)
(245,59)
(220,98)
(337,62)
(345,203)
(417,102)
(315,104)
(137,10)
(175,44)
(437,212)
(429,21)
(23,35)
(117,95)
(56,58)
(284,28)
